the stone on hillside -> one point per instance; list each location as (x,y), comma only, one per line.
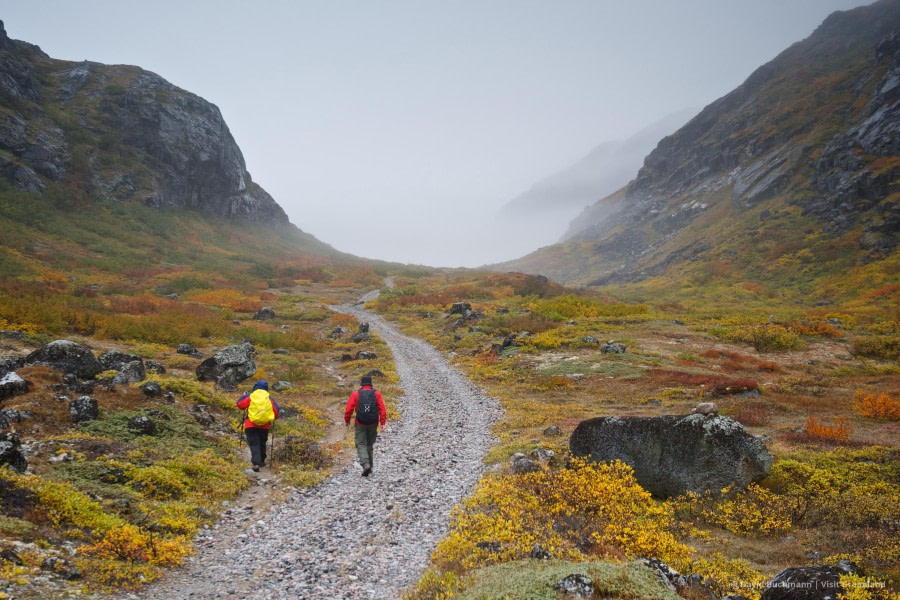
(552,431)
(132,372)
(115,360)
(61,566)
(460,308)
(364,327)
(339,331)
(282,351)
(84,408)
(280,386)
(672,455)
(809,583)
(152,389)
(264,314)
(669,576)
(228,366)
(519,463)
(142,426)
(362,336)
(11,363)
(201,414)
(8,554)
(66,356)
(706,408)
(346,357)
(9,416)
(543,455)
(365,355)
(12,385)
(11,452)
(154,367)
(577,585)
(188,350)
(613,348)
(538,553)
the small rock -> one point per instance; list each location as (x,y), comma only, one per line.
(543,455)
(576,584)
(365,355)
(538,552)
(12,385)
(460,308)
(552,431)
(706,408)
(613,348)
(142,426)
(84,408)
(11,452)
(280,386)
(283,351)
(10,555)
(153,366)
(524,465)
(152,389)
(264,314)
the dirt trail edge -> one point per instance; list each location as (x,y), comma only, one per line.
(355,537)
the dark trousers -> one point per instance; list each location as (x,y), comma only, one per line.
(256,439)
(365,436)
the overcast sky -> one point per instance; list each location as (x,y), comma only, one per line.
(396,129)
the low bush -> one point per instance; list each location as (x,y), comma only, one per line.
(877,406)
(882,347)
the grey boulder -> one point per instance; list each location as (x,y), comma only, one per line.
(84,408)
(228,366)
(11,384)
(66,356)
(672,455)
(11,452)
(809,583)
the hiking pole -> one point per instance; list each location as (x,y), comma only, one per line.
(241,432)
(272,451)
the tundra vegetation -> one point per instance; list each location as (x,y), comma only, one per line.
(820,384)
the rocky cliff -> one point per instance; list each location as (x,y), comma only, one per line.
(121,133)
(809,141)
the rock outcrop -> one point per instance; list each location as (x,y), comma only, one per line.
(228,366)
(143,138)
(672,455)
(67,356)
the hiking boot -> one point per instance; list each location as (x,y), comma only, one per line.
(256,468)
(366,470)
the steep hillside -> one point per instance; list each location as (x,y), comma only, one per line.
(787,182)
(119,133)
(544,211)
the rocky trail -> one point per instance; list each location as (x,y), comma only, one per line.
(355,537)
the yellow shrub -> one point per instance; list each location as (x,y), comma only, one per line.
(730,576)
(588,509)
(857,587)
(753,511)
(128,543)
(156,481)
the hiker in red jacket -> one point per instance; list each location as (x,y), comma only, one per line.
(261,411)
(369,407)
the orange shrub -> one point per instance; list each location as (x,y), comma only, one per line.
(881,406)
(839,432)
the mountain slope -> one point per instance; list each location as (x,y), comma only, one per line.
(544,211)
(119,133)
(790,178)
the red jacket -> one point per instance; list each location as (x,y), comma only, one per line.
(243,403)
(353,400)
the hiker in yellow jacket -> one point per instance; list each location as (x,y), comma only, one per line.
(261,411)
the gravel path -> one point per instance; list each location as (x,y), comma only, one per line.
(355,537)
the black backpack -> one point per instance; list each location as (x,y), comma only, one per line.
(367,408)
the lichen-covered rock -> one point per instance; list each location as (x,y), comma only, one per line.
(153,366)
(152,389)
(132,372)
(67,356)
(228,366)
(11,384)
(11,452)
(84,408)
(809,583)
(115,360)
(576,585)
(142,425)
(672,455)
(460,308)
(264,314)
(613,348)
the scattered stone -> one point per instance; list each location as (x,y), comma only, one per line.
(669,576)
(543,455)
(706,408)
(201,414)
(189,350)
(280,386)
(132,372)
(11,335)
(84,408)
(11,452)
(228,366)
(61,457)
(346,357)
(613,348)
(12,384)
(62,567)
(11,363)
(672,455)
(365,355)
(509,340)
(538,553)
(264,314)
(589,339)
(488,546)
(364,327)
(460,308)
(576,584)
(502,311)
(375,373)
(836,322)
(142,426)
(522,464)
(152,389)
(115,360)
(362,336)
(9,416)
(10,555)
(338,332)
(457,324)
(282,351)
(809,583)
(553,431)
(153,366)
(66,356)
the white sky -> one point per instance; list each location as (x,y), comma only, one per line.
(396,129)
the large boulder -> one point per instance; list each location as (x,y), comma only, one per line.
(809,583)
(133,372)
(228,366)
(66,356)
(114,360)
(84,408)
(672,455)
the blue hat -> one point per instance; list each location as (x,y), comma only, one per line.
(262,384)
